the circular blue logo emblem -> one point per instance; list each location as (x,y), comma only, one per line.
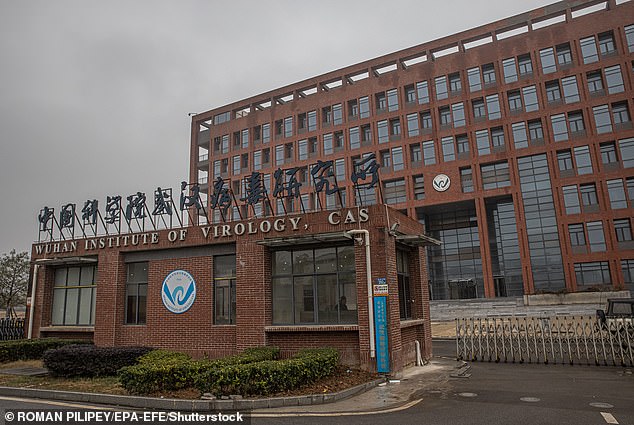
(179,291)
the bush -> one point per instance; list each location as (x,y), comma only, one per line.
(91,361)
(32,349)
(167,370)
(269,377)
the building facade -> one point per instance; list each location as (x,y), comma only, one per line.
(512,142)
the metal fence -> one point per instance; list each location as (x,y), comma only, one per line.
(11,328)
(558,339)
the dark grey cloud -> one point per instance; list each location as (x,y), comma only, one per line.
(94,95)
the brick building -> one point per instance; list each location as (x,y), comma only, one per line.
(529,117)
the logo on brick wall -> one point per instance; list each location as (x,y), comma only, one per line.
(179,291)
(441,182)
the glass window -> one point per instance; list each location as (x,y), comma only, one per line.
(478,108)
(381,101)
(577,235)
(288,127)
(608,153)
(419,187)
(312,121)
(136,294)
(397,159)
(463,143)
(616,192)
(441,87)
(74,294)
(488,74)
(425,118)
(392,100)
(602,119)
(588,194)
(497,136)
(225,290)
(560,129)
(448,149)
(445,116)
(244,137)
(626,149)
(495,175)
(553,93)
(589,50)
(337,114)
(614,79)
(620,113)
(266,133)
(564,160)
(582,159)
(510,70)
(410,94)
(564,55)
(530,98)
(412,125)
(595,82)
(429,153)
(394,191)
(629,36)
(482,142)
(455,85)
(535,130)
(466,179)
(623,230)
(364,107)
(457,109)
(328,145)
(493,107)
(596,238)
(571,199)
(547,58)
(520,138)
(525,65)
(404,291)
(628,265)
(571,91)
(353,136)
(475,82)
(575,121)
(383,131)
(415,153)
(595,273)
(515,101)
(422,91)
(606,43)
(314,286)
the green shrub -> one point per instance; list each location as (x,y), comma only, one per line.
(91,361)
(32,349)
(162,370)
(269,377)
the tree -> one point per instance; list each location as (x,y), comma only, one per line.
(14,275)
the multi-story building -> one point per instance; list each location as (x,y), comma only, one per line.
(529,117)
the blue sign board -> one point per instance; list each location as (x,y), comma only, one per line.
(179,291)
(380,330)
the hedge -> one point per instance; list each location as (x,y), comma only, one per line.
(165,370)
(91,361)
(32,349)
(269,377)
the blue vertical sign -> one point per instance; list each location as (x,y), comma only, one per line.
(380,330)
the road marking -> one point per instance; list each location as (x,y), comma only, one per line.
(372,412)
(57,403)
(609,418)
(530,399)
(467,394)
(602,405)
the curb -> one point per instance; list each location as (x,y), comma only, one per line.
(188,405)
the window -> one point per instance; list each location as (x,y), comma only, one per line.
(616,192)
(589,50)
(530,98)
(482,142)
(595,273)
(236,165)
(564,55)
(620,114)
(614,79)
(535,131)
(623,230)
(415,154)
(520,139)
(429,153)
(606,44)
(497,137)
(571,91)
(74,291)
(413,128)
(462,142)
(493,107)
(328,146)
(410,94)
(596,238)
(571,199)
(288,127)
(314,286)
(381,101)
(395,128)
(225,290)
(475,82)
(510,70)
(560,129)
(488,74)
(397,159)
(479,112)
(136,294)
(577,126)
(515,101)
(595,83)
(364,107)
(577,235)
(426,122)
(353,109)
(404,292)
(626,149)
(457,109)
(495,175)
(383,131)
(466,179)
(392,100)
(354,138)
(422,91)
(628,265)
(445,116)
(366,134)
(564,160)
(394,191)
(419,187)
(448,149)
(266,133)
(629,36)
(441,88)
(525,65)
(553,93)
(602,119)
(589,197)
(608,153)
(455,85)
(547,58)
(582,159)
(337,114)
(386,159)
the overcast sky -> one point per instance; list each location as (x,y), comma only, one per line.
(94,96)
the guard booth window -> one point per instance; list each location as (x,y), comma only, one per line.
(225,290)
(74,296)
(404,292)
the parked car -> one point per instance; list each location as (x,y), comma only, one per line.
(618,317)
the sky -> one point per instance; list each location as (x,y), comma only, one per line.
(95,96)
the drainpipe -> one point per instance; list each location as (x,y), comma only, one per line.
(368,272)
(33,289)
